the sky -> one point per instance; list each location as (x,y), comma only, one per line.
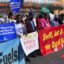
(41,1)
(4,0)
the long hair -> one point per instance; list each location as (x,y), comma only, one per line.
(17,19)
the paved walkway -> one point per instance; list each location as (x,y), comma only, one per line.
(49,59)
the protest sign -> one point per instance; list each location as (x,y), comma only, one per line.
(10,51)
(45,9)
(51,40)
(16,5)
(19,29)
(30,43)
(7,32)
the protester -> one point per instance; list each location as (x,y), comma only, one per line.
(1,19)
(26,25)
(63,18)
(34,20)
(55,22)
(52,15)
(23,19)
(31,12)
(20,28)
(44,22)
(38,21)
(30,28)
(60,19)
(10,16)
(30,25)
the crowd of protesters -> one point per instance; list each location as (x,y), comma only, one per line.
(32,23)
(29,23)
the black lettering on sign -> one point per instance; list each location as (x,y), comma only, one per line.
(15,56)
(12,56)
(1,58)
(5,59)
(9,59)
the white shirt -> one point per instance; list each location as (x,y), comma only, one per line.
(52,16)
(34,20)
(1,20)
(11,20)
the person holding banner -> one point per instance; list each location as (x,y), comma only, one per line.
(44,22)
(55,22)
(30,28)
(38,21)
(20,28)
(29,24)
(52,15)
(11,18)
(60,19)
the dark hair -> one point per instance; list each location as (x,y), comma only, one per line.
(40,16)
(31,18)
(56,18)
(10,15)
(52,11)
(17,19)
(46,15)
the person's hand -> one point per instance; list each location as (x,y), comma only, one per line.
(19,35)
(25,33)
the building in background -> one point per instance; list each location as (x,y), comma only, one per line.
(4,4)
(39,3)
(36,3)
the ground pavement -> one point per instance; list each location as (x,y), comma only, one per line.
(49,59)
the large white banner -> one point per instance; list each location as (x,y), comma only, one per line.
(30,43)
